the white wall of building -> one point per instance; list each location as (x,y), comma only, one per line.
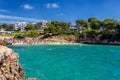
(20,26)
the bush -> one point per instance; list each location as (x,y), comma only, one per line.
(20,36)
(32,34)
(27,34)
(47,36)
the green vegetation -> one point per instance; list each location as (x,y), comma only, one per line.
(93,28)
(6,26)
(56,27)
(29,27)
(33,33)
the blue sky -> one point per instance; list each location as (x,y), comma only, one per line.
(62,10)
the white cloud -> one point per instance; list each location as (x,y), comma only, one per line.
(12,19)
(27,6)
(52,5)
(3,10)
(61,14)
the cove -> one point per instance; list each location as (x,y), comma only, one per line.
(70,62)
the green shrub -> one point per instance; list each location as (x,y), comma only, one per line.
(47,36)
(32,34)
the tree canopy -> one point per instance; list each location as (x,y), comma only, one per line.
(29,27)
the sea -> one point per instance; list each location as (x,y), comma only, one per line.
(69,62)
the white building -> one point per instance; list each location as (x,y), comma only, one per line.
(44,24)
(20,26)
(73,28)
(2,32)
(119,22)
(40,25)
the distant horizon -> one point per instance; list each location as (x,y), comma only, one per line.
(57,10)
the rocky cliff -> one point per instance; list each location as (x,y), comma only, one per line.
(4,42)
(10,69)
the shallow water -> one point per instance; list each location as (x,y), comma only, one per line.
(70,62)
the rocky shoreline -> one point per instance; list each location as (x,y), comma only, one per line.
(57,41)
(10,69)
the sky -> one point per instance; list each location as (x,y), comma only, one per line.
(61,10)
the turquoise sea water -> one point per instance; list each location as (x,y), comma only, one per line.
(70,62)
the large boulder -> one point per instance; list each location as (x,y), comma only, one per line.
(10,68)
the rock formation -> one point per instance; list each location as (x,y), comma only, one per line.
(4,42)
(10,69)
